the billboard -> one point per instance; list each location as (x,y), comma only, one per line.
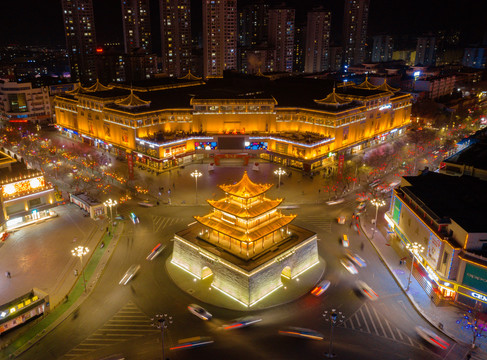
(475,277)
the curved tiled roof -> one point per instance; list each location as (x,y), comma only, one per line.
(132,101)
(366,85)
(386,87)
(98,86)
(245,188)
(237,210)
(333,99)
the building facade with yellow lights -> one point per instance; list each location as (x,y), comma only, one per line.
(25,196)
(301,123)
(246,244)
(445,214)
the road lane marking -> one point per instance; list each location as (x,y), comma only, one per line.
(365,320)
(390,329)
(380,323)
(371,320)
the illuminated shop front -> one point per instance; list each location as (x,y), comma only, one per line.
(246,244)
(26,199)
(22,309)
(448,270)
(178,121)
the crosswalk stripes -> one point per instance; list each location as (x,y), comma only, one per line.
(127,323)
(318,221)
(161,222)
(367,319)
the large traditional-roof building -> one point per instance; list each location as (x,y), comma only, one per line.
(245,243)
(167,122)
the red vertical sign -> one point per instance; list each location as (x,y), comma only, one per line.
(341,161)
(130,163)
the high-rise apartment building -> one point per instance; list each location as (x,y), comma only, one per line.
(355,21)
(426,51)
(317,41)
(219,36)
(475,57)
(252,21)
(382,48)
(136,25)
(175,36)
(281,37)
(79,27)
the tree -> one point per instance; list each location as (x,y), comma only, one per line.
(471,321)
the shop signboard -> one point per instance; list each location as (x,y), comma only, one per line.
(130,163)
(341,161)
(475,277)
(397,210)
(434,246)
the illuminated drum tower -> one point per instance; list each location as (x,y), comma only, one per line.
(245,243)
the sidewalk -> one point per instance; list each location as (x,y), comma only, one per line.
(391,251)
(42,326)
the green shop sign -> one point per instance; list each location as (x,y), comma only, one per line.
(475,277)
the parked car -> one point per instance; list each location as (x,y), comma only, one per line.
(129,274)
(199,312)
(431,337)
(321,288)
(367,291)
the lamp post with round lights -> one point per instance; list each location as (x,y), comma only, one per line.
(279,172)
(196,174)
(110,204)
(161,321)
(377,203)
(80,251)
(335,318)
(415,249)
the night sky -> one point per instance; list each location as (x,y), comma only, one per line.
(39,22)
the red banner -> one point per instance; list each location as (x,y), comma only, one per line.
(341,161)
(130,163)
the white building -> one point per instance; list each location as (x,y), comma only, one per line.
(19,102)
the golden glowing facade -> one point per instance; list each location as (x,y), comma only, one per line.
(245,222)
(245,243)
(287,121)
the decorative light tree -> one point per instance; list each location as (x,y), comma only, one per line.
(161,321)
(470,321)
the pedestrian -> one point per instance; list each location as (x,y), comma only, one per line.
(7,274)
(362,246)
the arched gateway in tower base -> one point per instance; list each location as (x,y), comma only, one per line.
(246,242)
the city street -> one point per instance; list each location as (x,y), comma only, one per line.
(116,317)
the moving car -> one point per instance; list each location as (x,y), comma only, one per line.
(240,323)
(349,266)
(361,206)
(156,251)
(335,202)
(321,288)
(129,274)
(356,259)
(345,241)
(199,312)
(146,203)
(431,337)
(301,333)
(341,220)
(134,218)
(192,342)
(366,290)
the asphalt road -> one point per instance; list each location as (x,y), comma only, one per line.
(116,319)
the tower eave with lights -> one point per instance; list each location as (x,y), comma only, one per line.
(245,243)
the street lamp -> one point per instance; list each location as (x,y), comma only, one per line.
(377,203)
(279,172)
(80,251)
(196,174)
(335,318)
(415,249)
(160,322)
(110,203)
